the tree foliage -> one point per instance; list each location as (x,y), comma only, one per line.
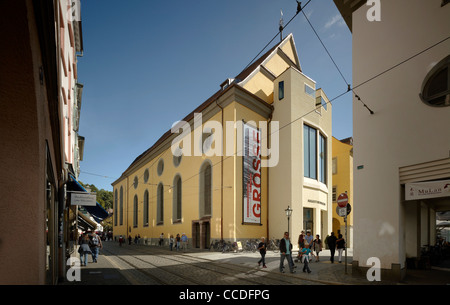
(105,199)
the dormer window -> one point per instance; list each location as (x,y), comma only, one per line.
(227,83)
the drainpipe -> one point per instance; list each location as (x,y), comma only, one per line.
(221,177)
(268,185)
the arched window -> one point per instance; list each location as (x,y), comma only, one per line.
(116,208)
(121,206)
(205,189)
(436,86)
(145,219)
(177,199)
(160,205)
(135,211)
(160,167)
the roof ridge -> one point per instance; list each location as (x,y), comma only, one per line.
(241,76)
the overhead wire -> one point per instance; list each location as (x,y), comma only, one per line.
(300,9)
(337,67)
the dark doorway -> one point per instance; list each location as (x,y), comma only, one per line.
(206,234)
(196,234)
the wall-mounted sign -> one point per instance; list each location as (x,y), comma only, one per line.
(85,199)
(251,171)
(425,190)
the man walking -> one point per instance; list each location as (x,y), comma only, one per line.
(184,242)
(95,244)
(286,252)
(331,240)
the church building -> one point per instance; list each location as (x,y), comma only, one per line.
(232,167)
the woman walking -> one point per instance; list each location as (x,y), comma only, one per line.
(262,250)
(317,246)
(84,250)
(340,245)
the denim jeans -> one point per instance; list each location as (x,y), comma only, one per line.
(263,259)
(84,258)
(94,254)
(289,259)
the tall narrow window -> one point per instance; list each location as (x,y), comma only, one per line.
(121,206)
(309,152)
(281,90)
(205,190)
(135,211)
(160,205)
(322,159)
(116,208)
(145,218)
(177,199)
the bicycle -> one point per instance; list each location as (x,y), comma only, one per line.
(274,245)
(250,246)
(215,246)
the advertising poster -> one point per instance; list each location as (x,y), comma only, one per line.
(251,175)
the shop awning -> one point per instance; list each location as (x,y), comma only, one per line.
(97,211)
(85,223)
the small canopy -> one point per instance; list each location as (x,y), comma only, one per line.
(97,211)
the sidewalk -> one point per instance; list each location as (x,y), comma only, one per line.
(104,272)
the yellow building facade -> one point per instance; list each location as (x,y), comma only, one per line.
(217,189)
(342,169)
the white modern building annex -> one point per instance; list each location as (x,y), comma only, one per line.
(401,70)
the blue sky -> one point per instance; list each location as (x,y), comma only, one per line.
(147,64)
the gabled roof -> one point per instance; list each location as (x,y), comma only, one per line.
(244,74)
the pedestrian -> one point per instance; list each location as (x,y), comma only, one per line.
(129,239)
(340,245)
(171,242)
(331,240)
(262,250)
(178,241)
(286,252)
(95,245)
(317,246)
(301,244)
(84,249)
(184,241)
(308,239)
(121,241)
(161,239)
(306,252)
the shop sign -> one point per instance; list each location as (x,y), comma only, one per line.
(426,190)
(84,199)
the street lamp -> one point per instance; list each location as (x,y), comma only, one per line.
(288,212)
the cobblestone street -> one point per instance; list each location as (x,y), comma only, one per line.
(137,264)
(153,265)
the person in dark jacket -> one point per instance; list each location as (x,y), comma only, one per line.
(262,250)
(340,246)
(286,252)
(331,240)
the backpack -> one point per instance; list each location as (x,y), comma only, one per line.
(95,240)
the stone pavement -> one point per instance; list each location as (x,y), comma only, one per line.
(108,270)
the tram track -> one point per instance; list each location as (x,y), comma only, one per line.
(158,273)
(215,271)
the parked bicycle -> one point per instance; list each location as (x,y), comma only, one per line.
(274,245)
(250,246)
